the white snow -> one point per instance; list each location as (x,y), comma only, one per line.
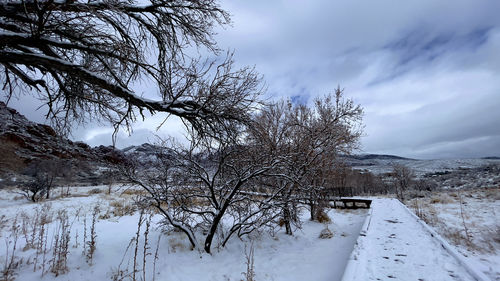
(393,245)
(480,209)
(303,256)
(420,167)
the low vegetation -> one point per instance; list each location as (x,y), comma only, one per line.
(465,218)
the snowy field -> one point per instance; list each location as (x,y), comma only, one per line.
(393,245)
(420,167)
(302,256)
(474,228)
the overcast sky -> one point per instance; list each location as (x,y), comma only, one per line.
(426,72)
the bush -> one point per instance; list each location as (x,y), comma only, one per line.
(36,189)
(326,233)
(322,216)
(95,191)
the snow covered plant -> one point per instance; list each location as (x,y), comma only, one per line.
(139,267)
(249,256)
(253,177)
(11,262)
(307,140)
(206,190)
(90,245)
(60,244)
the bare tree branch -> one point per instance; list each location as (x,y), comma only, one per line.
(87,55)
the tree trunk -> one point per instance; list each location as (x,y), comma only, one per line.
(312,208)
(287,219)
(210,236)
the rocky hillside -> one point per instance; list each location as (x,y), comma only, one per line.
(23,142)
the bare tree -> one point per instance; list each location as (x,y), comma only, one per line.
(321,133)
(309,139)
(403,178)
(207,190)
(35,189)
(83,56)
(44,172)
(270,132)
(213,188)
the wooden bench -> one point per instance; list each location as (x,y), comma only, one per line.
(351,203)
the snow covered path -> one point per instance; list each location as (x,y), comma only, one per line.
(398,247)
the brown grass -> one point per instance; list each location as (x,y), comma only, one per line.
(95,191)
(441,198)
(322,217)
(120,208)
(469,233)
(132,192)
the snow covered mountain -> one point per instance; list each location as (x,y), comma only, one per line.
(380,164)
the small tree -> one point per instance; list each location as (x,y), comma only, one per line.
(403,178)
(44,172)
(205,190)
(36,189)
(309,140)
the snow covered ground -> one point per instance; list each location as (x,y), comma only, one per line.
(479,215)
(302,256)
(393,244)
(420,167)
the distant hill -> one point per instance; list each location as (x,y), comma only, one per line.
(378,157)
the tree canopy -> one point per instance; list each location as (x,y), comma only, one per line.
(83,57)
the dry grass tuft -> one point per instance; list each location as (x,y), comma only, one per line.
(120,208)
(95,191)
(132,192)
(322,217)
(326,233)
(176,244)
(441,198)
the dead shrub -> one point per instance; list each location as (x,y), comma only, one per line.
(326,233)
(138,252)
(249,256)
(435,200)
(176,243)
(11,261)
(131,192)
(441,199)
(425,212)
(116,204)
(455,236)
(322,217)
(122,208)
(59,262)
(91,243)
(94,191)
(493,194)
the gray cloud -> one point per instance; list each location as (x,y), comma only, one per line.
(426,71)
(423,70)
